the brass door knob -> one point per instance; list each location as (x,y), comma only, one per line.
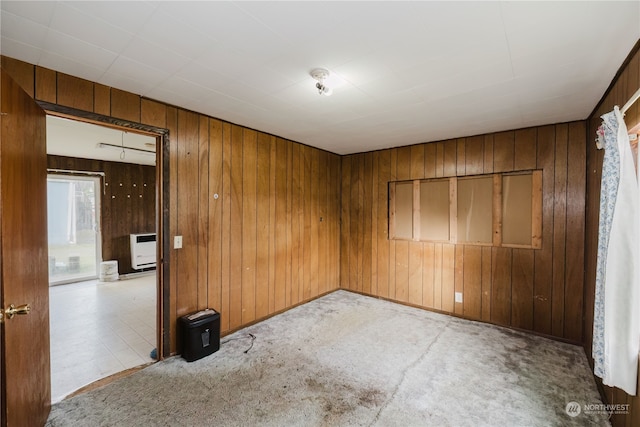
(12,310)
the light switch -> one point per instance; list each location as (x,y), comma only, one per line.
(177,242)
(458,296)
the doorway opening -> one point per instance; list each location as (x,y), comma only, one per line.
(102,188)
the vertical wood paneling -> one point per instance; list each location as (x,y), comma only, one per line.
(355,253)
(487,282)
(417,161)
(172,126)
(634,417)
(384,171)
(272,223)
(503,152)
(214,261)
(296,212)
(403,172)
(439,161)
(403,163)
(618,396)
(437,276)
(501,287)
(543,281)
(448,277)
(430,160)
(632,115)
(559,230)
(225,272)
(324,225)
(22,73)
(415,272)
(152,113)
(497,209)
(281,226)
(302,221)
(525,149)
(345,223)
(473,157)
(522,289)
(402,271)
(188,200)
(74,92)
(235,244)
(287,265)
(102,104)
(364,284)
(488,153)
(575,232)
(313,223)
(428,274)
(373,183)
(336,165)
(393,169)
(460,157)
(263,160)
(472,276)
(307,249)
(449,159)
(203,214)
(249,225)
(46,85)
(458,307)
(124,105)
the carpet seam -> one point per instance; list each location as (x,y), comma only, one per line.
(404,374)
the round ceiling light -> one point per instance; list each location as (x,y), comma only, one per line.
(320,75)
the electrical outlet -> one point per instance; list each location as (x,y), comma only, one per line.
(458,296)
(177,242)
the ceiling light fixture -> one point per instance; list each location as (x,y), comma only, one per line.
(320,75)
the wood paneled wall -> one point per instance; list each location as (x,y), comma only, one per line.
(128,204)
(270,240)
(537,290)
(623,87)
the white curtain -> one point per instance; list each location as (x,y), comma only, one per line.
(616,333)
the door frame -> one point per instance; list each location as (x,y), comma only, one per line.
(162,206)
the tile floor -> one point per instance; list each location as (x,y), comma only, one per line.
(99,329)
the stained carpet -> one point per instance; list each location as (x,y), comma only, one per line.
(351,360)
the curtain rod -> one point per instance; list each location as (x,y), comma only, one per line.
(630,102)
(67,171)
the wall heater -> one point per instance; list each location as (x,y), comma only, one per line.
(143,250)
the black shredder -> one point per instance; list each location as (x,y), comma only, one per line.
(200,334)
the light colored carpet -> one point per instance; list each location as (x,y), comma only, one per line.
(351,360)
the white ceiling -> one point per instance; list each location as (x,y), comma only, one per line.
(411,71)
